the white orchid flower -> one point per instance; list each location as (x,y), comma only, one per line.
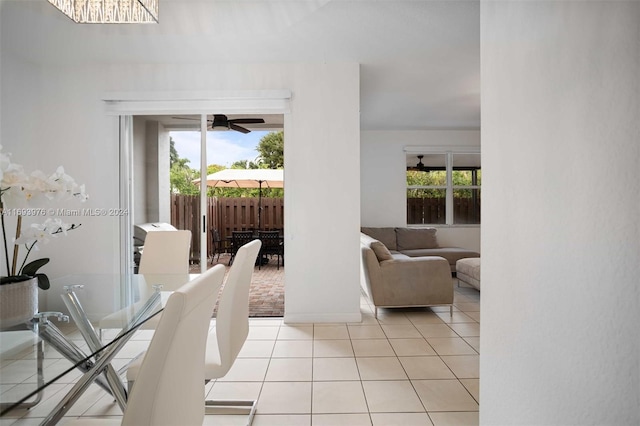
(13,180)
(56,226)
(36,233)
(19,190)
(4,163)
(13,175)
(37,186)
(66,186)
(81,193)
(43,232)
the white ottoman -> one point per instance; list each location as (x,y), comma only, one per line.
(468,271)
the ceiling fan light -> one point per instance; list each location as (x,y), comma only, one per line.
(220,122)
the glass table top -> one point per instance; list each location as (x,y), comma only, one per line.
(97,301)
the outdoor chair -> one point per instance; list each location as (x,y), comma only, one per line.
(216,244)
(271,246)
(238,239)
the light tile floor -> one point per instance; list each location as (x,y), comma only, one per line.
(408,367)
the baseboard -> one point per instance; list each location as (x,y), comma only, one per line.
(322,318)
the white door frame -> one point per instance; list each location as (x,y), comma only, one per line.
(129,104)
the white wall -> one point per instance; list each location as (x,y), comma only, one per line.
(383,200)
(561,203)
(164,184)
(322,172)
(156,172)
(139,170)
(76,132)
(152,170)
(151,186)
(53,117)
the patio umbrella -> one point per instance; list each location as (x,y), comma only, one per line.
(247,178)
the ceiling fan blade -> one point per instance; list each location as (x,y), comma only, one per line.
(188,118)
(247,120)
(238,128)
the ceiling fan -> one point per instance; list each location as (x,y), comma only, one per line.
(420,167)
(220,121)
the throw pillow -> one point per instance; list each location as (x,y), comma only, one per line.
(381,251)
(416,238)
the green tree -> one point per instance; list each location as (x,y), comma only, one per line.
(212,168)
(439,178)
(173,153)
(271,151)
(180,174)
(181,178)
(246,164)
(270,156)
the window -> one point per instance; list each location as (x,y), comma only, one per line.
(443,188)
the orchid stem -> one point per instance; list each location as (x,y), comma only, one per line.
(16,247)
(26,256)
(4,238)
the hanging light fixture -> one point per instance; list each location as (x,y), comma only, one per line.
(109,11)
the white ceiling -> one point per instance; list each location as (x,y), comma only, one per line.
(420,59)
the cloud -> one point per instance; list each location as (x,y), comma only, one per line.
(223,148)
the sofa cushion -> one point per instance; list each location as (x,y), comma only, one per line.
(452,254)
(416,238)
(381,251)
(386,236)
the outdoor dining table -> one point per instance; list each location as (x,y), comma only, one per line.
(125,302)
(255,234)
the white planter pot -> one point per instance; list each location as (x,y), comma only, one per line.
(18,302)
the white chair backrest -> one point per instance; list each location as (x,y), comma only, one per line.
(165,252)
(232,318)
(169,386)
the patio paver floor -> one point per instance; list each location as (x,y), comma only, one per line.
(266,297)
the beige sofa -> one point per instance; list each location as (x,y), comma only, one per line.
(418,242)
(397,280)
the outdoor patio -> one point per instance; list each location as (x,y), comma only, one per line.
(266,297)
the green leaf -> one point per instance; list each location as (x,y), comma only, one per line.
(43,281)
(32,267)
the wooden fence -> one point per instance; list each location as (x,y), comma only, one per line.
(225,215)
(432,210)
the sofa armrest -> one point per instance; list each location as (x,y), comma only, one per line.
(370,275)
(413,281)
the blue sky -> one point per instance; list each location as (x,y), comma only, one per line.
(223,147)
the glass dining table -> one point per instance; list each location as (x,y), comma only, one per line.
(93,302)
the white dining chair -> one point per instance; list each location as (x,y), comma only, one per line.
(168,389)
(232,327)
(226,339)
(165,257)
(166,252)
